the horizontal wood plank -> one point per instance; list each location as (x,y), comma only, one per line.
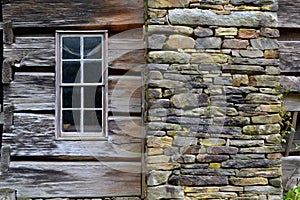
(290,171)
(31,91)
(288,13)
(123,53)
(289,56)
(34,135)
(73,179)
(113,14)
(291,102)
(291,83)
(36,92)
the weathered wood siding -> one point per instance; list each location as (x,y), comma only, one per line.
(85,179)
(113,14)
(29,54)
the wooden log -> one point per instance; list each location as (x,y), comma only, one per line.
(34,135)
(291,83)
(124,53)
(288,13)
(5,159)
(31,92)
(8,35)
(8,117)
(88,13)
(291,137)
(289,56)
(7,74)
(291,102)
(73,179)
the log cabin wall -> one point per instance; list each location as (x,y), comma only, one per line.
(62,168)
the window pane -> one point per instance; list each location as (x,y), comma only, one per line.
(93,97)
(71,97)
(71,47)
(71,72)
(71,121)
(92,72)
(92,48)
(92,121)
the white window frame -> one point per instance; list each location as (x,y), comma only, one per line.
(81,135)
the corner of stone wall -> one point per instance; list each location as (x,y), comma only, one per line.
(213,104)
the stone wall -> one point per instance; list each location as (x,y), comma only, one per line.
(212,100)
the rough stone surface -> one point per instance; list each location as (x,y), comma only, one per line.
(213,128)
(262,129)
(179,42)
(158,177)
(203,32)
(170,30)
(198,58)
(264,43)
(156,41)
(248,33)
(235,44)
(226,31)
(207,17)
(167,3)
(168,57)
(208,43)
(165,192)
(248,181)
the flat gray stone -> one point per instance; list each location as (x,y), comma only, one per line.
(198,17)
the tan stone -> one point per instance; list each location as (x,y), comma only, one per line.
(215,165)
(271,54)
(159,142)
(274,156)
(248,33)
(199,58)
(155,151)
(158,159)
(235,44)
(167,3)
(270,108)
(240,79)
(212,142)
(226,31)
(248,181)
(266,119)
(201,189)
(179,42)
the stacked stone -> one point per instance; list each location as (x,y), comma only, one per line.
(212,120)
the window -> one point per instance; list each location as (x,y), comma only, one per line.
(81,84)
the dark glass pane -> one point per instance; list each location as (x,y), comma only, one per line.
(71,97)
(92,72)
(71,47)
(92,97)
(71,72)
(92,121)
(93,47)
(71,121)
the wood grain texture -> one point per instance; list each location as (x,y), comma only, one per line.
(288,13)
(73,179)
(291,102)
(290,171)
(291,83)
(34,135)
(289,56)
(124,52)
(31,92)
(113,14)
